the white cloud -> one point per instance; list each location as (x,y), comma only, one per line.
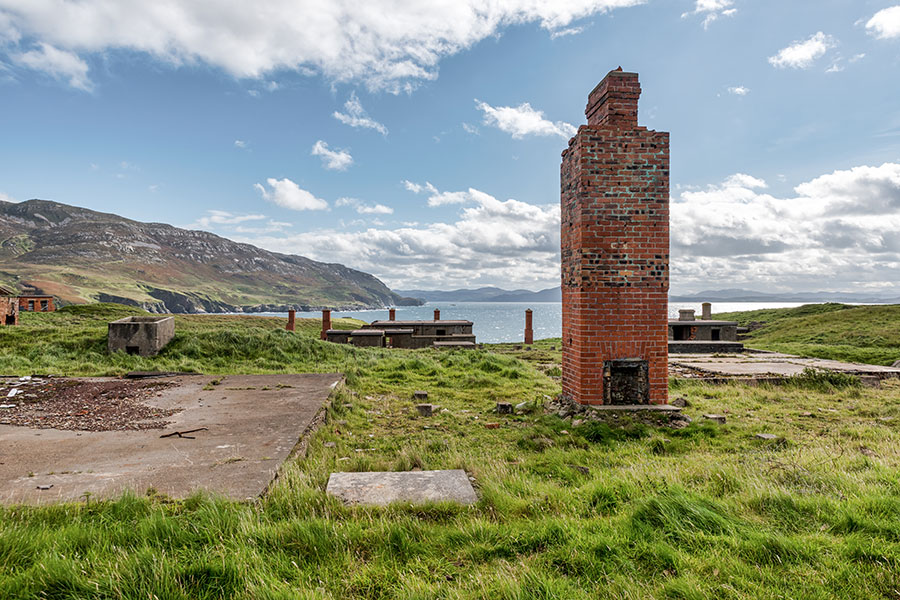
(240,144)
(886,23)
(7,198)
(287,194)
(566,32)
(739,90)
(378,209)
(508,242)
(364,209)
(60,64)
(523,120)
(802,54)
(221,217)
(712,10)
(336,160)
(840,231)
(439,198)
(356,116)
(471,129)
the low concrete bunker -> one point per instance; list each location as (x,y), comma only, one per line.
(144,336)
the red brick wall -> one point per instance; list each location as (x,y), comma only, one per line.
(615,243)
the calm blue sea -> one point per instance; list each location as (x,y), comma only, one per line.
(505,321)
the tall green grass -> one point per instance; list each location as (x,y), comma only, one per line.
(619,510)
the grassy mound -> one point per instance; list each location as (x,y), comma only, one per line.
(867,334)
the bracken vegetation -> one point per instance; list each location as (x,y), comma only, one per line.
(591,511)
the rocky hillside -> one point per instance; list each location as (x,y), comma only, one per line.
(80,255)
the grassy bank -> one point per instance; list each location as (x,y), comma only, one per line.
(564,512)
(867,334)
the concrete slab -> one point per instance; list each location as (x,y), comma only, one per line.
(380,488)
(252,423)
(763,364)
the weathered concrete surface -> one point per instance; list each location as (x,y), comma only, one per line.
(145,336)
(772,363)
(253,421)
(383,487)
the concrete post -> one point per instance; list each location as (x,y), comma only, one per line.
(392,314)
(686,314)
(529,332)
(290,323)
(326,322)
(437,314)
(707,311)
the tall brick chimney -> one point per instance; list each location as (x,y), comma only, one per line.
(437,314)
(615,252)
(392,314)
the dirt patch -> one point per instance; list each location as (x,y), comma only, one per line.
(82,404)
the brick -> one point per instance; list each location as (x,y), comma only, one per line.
(614,196)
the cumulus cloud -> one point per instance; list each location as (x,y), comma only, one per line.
(885,23)
(287,194)
(60,64)
(837,231)
(439,198)
(523,120)
(508,242)
(384,43)
(364,209)
(802,54)
(739,90)
(712,10)
(356,116)
(336,160)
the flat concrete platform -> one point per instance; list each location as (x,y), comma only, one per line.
(768,364)
(380,488)
(252,423)
(704,347)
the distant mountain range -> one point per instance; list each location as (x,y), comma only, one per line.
(493,294)
(485,294)
(80,255)
(738,295)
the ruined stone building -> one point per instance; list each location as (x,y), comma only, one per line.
(407,334)
(40,303)
(9,310)
(614,194)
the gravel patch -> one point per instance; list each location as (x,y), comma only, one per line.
(82,405)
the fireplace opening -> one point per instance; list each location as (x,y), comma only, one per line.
(626,381)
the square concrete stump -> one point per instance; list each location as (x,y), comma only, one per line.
(144,336)
(380,488)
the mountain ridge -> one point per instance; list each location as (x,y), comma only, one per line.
(81,255)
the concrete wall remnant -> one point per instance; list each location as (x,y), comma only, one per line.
(144,336)
(614,196)
(706,311)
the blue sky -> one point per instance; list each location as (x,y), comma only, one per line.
(421,141)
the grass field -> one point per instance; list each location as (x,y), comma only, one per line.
(564,512)
(868,334)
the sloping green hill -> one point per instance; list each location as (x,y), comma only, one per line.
(869,334)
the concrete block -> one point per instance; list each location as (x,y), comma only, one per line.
(383,487)
(145,336)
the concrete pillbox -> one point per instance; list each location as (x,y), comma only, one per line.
(145,336)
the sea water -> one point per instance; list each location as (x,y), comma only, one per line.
(505,321)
